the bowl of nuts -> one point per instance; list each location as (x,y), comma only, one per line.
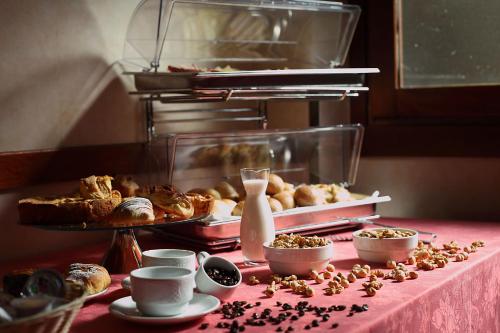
(382,244)
(298,255)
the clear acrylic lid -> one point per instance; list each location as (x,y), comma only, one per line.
(242,34)
(313,155)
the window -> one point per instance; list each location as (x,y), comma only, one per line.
(430,99)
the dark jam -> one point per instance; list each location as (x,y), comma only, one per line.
(222,276)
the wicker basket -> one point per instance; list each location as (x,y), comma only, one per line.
(57,321)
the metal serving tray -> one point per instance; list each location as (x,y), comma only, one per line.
(310,219)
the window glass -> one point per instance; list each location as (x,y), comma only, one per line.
(443,43)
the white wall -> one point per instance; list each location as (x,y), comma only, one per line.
(59,88)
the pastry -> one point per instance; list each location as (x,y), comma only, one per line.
(308,196)
(325,190)
(96,187)
(146,191)
(222,208)
(275,184)
(286,199)
(175,204)
(92,277)
(125,185)
(275,205)
(227,191)
(207,191)
(202,204)
(238,209)
(133,211)
(64,211)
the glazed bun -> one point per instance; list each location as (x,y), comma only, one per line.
(92,277)
(286,199)
(308,196)
(289,187)
(275,185)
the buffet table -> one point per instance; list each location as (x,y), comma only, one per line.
(462,297)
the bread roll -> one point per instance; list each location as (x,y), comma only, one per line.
(92,277)
(286,199)
(275,184)
(308,196)
(238,209)
(207,191)
(340,194)
(275,205)
(227,191)
(222,208)
(289,187)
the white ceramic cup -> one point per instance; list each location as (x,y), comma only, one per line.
(162,290)
(169,257)
(206,285)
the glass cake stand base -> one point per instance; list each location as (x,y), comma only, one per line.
(124,254)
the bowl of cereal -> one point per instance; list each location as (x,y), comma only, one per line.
(298,255)
(383,244)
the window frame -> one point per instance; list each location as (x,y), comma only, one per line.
(457,121)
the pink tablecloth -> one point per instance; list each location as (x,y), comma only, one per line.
(462,297)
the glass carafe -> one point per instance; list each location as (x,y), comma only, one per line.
(257,223)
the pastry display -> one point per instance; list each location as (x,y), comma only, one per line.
(233,156)
(133,211)
(92,277)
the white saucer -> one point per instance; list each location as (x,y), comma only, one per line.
(89,297)
(126,283)
(199,306)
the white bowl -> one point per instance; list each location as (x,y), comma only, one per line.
(298,261)
(381,250)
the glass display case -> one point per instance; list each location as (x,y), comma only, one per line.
(200,57)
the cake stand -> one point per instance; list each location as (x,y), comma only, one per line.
(124,253)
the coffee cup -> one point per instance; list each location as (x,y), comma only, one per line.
(169,257)
(206,285)
(162,290)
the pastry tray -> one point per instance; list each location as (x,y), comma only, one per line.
(293,220)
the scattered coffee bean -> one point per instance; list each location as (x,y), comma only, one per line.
(258,303)
(294,317)
(326,317)
(335,325)
(307,327)
(204,326)
(279,329)
(289,329)
(278,303)
(315,323)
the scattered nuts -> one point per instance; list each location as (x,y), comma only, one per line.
(320,278)
(371,292)
(327,274)
(309,291)
(413,275)
(252,280)
(344,283)
(351,277)
(330,268)
(313,274)
(292,241)
(391,264)
(412,260)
